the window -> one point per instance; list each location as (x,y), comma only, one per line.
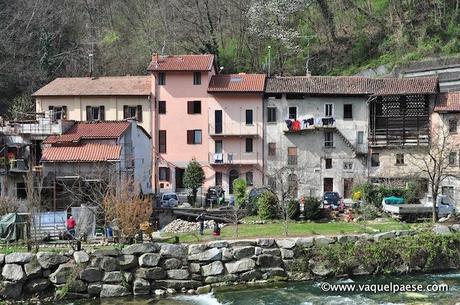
(328,110)
(399,159)
(58,112)
(452,158)
(347,111)
(218,146)
(95,113)
(249,145)
(272,183)
(249,178)
(161,78)
(161,107)
(249,117)
(197,78)
(218,176)
(452,125)
(293,113)
(272,149)
(130,112)
(164,174)
(194,107)
(292,155)
(375,160)
(328,139)
(194,136)
(162,141)
(271,114)
(21,192)
(328,163)
(348,166)
(360,137)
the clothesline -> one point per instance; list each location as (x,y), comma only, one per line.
(299,124)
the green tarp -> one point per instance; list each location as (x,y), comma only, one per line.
(12,227)
(393,200)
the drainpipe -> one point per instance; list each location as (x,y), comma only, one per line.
(155,133)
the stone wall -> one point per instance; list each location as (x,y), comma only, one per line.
(160,269)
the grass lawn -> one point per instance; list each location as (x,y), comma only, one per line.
(276,229)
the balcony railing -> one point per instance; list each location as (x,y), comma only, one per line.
(18,166)
(234,129)
(234,158)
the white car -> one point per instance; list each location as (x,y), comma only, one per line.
(169,200)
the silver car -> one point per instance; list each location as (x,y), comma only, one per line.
(169,200)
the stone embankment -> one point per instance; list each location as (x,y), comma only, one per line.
(161,269)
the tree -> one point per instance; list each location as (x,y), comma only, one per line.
(239,191)
(434,163)
(21,107)
(193,177)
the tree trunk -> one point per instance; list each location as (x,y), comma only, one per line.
(194,192)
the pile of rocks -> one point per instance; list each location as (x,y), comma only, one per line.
(183,226)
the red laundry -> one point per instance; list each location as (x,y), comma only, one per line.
(296,125)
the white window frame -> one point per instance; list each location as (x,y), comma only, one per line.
(325,109)
(296,112)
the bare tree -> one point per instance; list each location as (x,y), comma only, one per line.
(34,188)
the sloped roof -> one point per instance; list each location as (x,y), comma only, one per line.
(237,83)
(351,85)
(448,102)
(201,62)
(90,130)
(84,153)
(87,86)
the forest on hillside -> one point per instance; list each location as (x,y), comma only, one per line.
(44,39)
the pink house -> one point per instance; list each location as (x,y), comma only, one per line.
(235,128)
(180,118)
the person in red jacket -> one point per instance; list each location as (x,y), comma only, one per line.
(71,225)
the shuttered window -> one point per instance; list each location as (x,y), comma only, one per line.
(162,141)
(194,107)
(95,113)
(292,155)
(164,174)
(194,136)
(161,107)
(132,112)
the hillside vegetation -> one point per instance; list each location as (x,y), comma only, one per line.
(44,39)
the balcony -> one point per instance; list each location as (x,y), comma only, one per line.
(41,127)
(235,129)
(234,158)
(18,166)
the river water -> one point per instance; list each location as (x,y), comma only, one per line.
(310,293)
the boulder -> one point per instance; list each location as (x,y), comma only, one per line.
(178,274)
(324,240)
(384,235)
(113,277)
(11,290)
(286,243)
(91,275)
(228,278)
(2,259)
(159,292)
(33,269)
(177,251)
(218,244)
(141,248)
(268,261)
(109,264)
(81,257)
(266,242)
(178,284)
(94,289)
(441,229)
(36,285)
(127,261)
(141,287)
(213,254)
(242,252)
(51,259)
(305,242)
(227,254)
(320,269)
(273,272)
(149,260)
(194,268)
(172,263)
(241,243)
(107,252)
(215,268)
(272,251)
(155,273)
(455,227)
(109,290)
(287,254)
(61,274)
(251,275)
(198,248)
(204,289)
(77,286)
(18,258)
(13,272)
(258,251)
(243,265)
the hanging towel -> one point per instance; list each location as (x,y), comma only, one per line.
(328,121)
(288,124)
(304,124)
(310,121)
(318,121)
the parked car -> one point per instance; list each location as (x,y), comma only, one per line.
(215,195)
(169,200)
(331,199)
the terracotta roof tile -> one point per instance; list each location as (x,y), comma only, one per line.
(351,85)
(448,102)
(85,86)
(90,130)
(201,62)
(84,153)
(237,83)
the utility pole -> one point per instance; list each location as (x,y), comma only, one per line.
(269,59)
